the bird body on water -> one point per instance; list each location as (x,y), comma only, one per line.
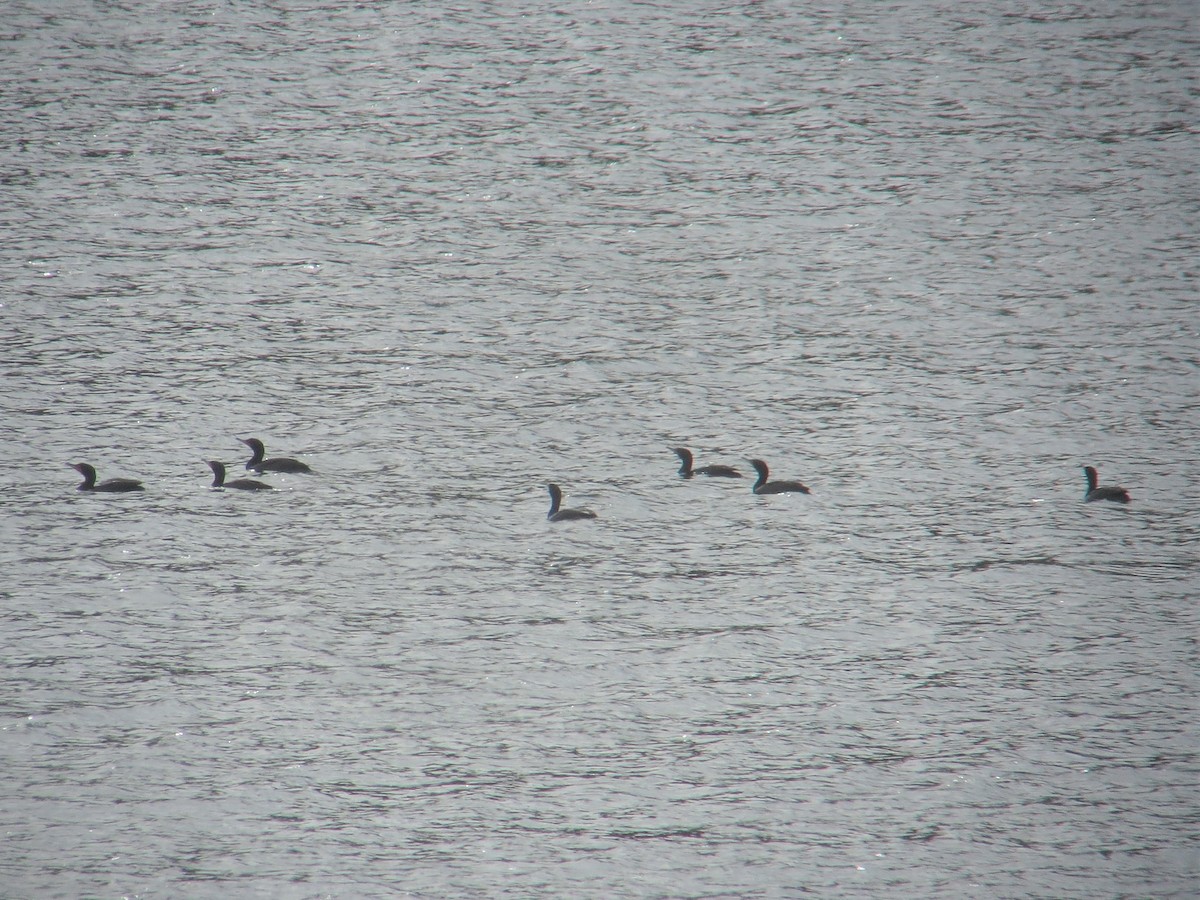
(686,470)
(557,514)
(1094,492)
(275,464)
(239,484)
(109,486)
(763,486)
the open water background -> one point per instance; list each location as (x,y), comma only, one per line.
(929,257)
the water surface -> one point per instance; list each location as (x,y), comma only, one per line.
(928,259)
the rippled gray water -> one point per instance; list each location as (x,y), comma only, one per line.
(929,258)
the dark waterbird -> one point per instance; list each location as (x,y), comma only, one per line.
(1094,492)
(763,486)
(240,484)
(274,464)
(111,486)
(564,515)
(686,470)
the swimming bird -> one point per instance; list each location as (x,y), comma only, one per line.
(1116,494)
(564,515)
(241,484)
(111,486)
(686,470)
(762,486)
(275,464)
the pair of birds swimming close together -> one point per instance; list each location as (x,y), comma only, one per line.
(764,486)
(258,463)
